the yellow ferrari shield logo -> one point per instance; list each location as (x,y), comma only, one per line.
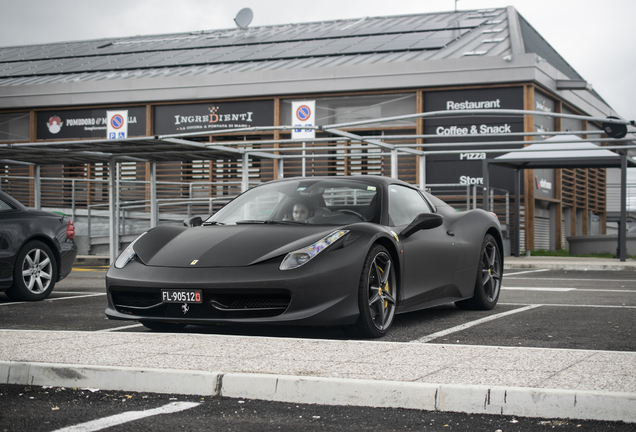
(194,262)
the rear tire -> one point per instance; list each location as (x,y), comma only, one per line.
(165,327)
(34,273)
(489,275)
(377,295)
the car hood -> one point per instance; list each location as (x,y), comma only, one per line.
(224,246)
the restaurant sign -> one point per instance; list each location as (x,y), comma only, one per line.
(85,123)
(174,119)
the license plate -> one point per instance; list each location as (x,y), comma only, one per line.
(181,296)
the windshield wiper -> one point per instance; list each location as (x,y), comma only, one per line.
(212,223)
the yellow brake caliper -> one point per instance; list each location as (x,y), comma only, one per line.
(386,288)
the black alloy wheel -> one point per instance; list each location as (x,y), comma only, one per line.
(489,277)
(377,295)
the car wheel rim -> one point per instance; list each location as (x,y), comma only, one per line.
(36,271)
(381,291)
(491,271)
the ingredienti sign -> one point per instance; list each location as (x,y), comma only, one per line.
(173,119)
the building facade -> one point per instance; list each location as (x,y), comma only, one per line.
(355,71)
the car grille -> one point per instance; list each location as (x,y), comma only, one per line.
(214,306)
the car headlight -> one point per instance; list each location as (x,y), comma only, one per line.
(128,254)
(302,256)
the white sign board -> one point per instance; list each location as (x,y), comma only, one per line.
(303,115)
(117,124)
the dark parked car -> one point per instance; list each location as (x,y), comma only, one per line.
(347,251)
(37,249)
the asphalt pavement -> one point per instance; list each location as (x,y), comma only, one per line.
(520,381)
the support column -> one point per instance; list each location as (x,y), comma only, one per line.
(622,225)
(37,187)
(154,206)
(517,212)
(113,207)
(394,163)
(245,174)
(484,172)
(558,226)
(422,172)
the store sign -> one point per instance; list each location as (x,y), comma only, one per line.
(544,183)
(303,116)
(117,124)
(86,123)
(171,119)
(466,167)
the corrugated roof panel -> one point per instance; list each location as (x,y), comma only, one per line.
(265,48)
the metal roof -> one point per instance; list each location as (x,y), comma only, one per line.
(139,149)
(550,154)
(357,41)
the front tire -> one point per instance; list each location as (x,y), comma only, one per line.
(377,294)
(34,273)
(489,276)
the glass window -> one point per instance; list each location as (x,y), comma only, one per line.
(543,123)
(306,201)
(14,127)
(405,204)
(345,109)
(4,206)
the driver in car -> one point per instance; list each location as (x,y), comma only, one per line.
(301,212)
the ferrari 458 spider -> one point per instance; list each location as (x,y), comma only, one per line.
(345,251)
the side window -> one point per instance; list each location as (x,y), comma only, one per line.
(405,204)
(4,206)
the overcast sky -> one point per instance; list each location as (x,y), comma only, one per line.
(595,37)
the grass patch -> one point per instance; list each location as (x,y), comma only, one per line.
(565,253)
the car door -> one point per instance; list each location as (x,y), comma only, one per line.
(429,258)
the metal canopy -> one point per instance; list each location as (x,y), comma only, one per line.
(551,153)
(141,149)
(557,154)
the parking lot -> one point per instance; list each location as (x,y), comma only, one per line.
(538,308)
(553,330)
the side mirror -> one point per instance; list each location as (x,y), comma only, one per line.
(193,221)
(423,221)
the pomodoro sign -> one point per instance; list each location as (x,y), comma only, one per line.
(88,123)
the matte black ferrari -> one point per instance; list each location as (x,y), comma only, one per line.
(37,249)
(345,251)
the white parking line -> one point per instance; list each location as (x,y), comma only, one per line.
(527,271)
(566,289)
(126,417)
(75,297)
(566,279)
(120,328)
(56,298)
(537,289)
(573,305)
(472,324)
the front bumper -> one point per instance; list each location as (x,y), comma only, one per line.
(322,292)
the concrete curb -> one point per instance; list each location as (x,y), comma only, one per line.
(526,402)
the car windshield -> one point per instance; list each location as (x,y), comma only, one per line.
(303,201)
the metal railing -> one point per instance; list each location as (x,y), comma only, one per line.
(613,197)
